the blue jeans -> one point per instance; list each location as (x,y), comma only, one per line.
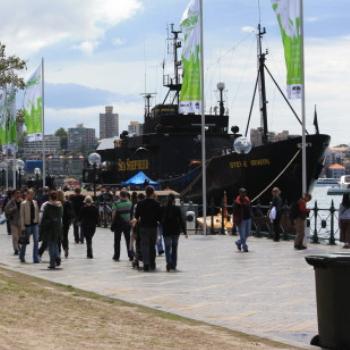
(244,231)
(53,252)
(31,230)
(171,244)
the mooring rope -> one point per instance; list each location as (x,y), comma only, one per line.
(277,177)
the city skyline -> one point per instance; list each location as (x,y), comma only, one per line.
(100,53)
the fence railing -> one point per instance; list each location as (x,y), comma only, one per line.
(322,223)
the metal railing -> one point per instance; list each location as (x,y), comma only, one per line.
(322,223)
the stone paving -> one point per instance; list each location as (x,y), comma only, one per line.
(267,292)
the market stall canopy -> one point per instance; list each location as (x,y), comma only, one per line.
(139,179)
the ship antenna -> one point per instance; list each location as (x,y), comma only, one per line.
(261,82)
(174,83)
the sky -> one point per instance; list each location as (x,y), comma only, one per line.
(109,52)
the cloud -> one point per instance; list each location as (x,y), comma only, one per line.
(87,47)
(248,29)
(29,26)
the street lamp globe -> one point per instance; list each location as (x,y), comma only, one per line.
(37,171)
(20,164)
(94,159)
(221,86)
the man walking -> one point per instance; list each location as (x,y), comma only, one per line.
(242,219)
(12,211)
(300,213)
(121,224)
(148,213)
(29,213)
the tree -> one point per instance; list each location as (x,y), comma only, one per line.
(63,135)
(8,68)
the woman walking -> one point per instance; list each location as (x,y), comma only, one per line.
(51,226)
(89,220)
(12,211)
(66,221)
(173,225)
(344,220)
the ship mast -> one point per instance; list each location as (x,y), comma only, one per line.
(174,83)
(262,83)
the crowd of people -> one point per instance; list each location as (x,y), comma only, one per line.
(46,219)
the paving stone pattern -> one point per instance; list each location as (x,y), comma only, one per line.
(269,291)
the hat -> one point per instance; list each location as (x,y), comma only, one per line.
(242,190)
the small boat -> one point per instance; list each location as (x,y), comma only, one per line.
(327,181)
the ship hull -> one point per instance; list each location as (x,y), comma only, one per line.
(274,164)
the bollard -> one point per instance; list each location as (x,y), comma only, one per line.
(212,232)
(315,235)
(223,219)
(332,211)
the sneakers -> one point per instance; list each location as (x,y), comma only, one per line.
(238,246)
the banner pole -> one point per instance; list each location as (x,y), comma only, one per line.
(303,103)
(204,171)
(43,120)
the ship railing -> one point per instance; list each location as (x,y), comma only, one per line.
(322,223)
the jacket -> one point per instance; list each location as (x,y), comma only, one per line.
(172,221)
(12,211)
(25,213)
(148,212)
(241,210)
(77,201)
(51,222)
(68,213)
(89,217)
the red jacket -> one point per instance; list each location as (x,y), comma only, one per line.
(241,209)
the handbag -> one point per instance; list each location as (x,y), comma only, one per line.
(23,239)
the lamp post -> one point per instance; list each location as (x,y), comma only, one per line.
(4,173)
(94,160)
(20,169)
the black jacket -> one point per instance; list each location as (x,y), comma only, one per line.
(68,214)
(172,221)
(89,217)
(148,212)
(77,201)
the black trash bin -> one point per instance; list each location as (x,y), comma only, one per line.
(332,273)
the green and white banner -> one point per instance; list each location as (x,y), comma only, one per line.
(33,106)
(8,125)
(289,18)
(190,95)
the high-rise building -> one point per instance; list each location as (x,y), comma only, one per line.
(135,128)
(81,139)
(109,123)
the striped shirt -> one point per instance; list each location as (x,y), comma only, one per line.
(123,208)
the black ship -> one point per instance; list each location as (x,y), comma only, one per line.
(169,150)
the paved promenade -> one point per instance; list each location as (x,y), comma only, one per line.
(268,292)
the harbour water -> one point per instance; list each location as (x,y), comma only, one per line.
(320,195)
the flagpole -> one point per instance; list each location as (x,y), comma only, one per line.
(204,172)
(303,103)
(43,120)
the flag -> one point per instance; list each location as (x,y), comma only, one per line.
(2,115)
(33,106)
(8,124)
(190,94)
(289,18)
(316,122)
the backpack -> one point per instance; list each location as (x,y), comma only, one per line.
(294,211)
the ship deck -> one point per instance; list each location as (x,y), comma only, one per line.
(268,292)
